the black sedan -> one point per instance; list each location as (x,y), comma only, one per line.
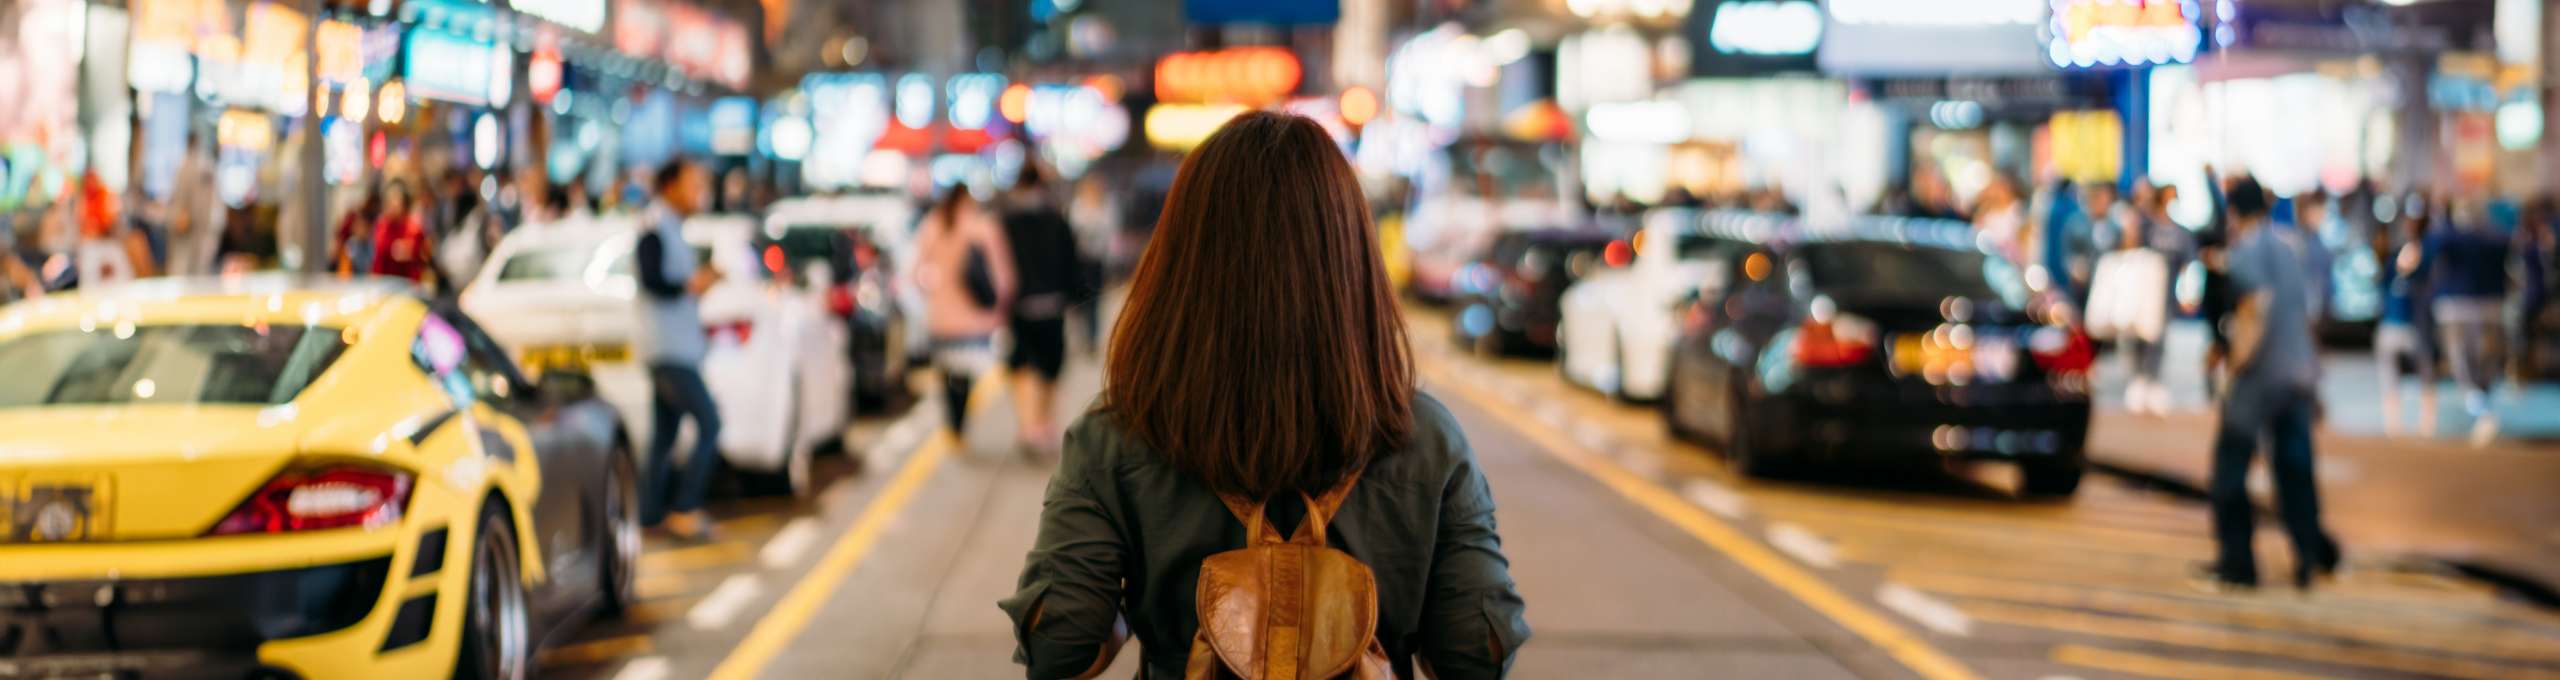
(1884,341)
(1511,299)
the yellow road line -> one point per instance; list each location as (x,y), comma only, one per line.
(1904,646)
(792,612)
(2146,665)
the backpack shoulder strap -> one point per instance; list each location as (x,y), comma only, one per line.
(1321,510)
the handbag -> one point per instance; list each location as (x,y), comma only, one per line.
(2128,296)
(979,278)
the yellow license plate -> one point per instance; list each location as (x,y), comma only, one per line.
(538,359)
(55,509)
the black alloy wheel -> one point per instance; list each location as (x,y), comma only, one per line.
(497,635)
(619,558)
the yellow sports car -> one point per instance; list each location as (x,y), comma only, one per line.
(272,478)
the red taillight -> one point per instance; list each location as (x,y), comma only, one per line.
(325,498)
(741,329)
(2061,350)
(1842,341)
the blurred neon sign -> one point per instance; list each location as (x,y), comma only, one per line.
(1786,27)
(2123,32)
(1938,12)
(1243,75)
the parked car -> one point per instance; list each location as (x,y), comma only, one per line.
(863,242)
(274,477)
(1509,300)
(1887,340)
(1618,324)
(564,295)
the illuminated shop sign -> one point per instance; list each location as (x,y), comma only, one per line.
(457,69)
(1936,37)
(1938,12)
(2123,32)
(584,15)
(1243,75)
(1789,27)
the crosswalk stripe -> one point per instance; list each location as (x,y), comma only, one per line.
(724,603)
(2482,640)
(1802,544)
(2219,638)
(790,544)
(2327,603)
(1930,612)
(643,668)
(2130,663)
(1716,498)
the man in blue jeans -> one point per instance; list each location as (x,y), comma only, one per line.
(2272,394)
(671,340)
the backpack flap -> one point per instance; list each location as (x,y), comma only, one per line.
(1284,610)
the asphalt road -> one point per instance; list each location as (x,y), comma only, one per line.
(1640,557)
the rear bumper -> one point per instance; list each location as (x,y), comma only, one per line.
(2028,424)
(210,626)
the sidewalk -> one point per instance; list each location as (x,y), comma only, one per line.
(2492,511)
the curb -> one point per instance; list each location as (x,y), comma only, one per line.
(2509,582)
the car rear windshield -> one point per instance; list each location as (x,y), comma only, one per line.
(1896,272)
(543,264)
(168,364)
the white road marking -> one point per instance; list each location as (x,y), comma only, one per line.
(723,605)
(1592,436)
(1800,543)
(643,668)
(790,544)
(1930,612)
(1716,499)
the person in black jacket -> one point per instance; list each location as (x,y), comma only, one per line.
(1050,271)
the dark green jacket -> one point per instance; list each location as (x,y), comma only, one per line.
(1123,533)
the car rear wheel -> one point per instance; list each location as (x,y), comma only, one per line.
(2051,480)
(619,557)
(1742,448)
(1671,406)
(497,638)
(793,477)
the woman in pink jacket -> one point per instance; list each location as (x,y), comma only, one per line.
(964,269)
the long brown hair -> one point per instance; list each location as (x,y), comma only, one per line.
(1260,349)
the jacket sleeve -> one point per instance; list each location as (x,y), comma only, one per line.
(1473,620)
(651,260)
(1066,616)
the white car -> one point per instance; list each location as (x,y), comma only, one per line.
(566,294)
(889,221)
(1617,326)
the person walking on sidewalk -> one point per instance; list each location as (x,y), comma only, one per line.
(965,269)
(2467,265)
(671,340)
(2143,224)
(2272,394)
(1049,272)
(2397,336)
(1261,358)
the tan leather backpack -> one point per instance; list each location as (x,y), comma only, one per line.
(1288,609)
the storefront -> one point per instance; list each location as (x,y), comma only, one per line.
(1969,92)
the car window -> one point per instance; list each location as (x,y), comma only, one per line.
(464,361)
(550,263)
(1897,272)
(166,364)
